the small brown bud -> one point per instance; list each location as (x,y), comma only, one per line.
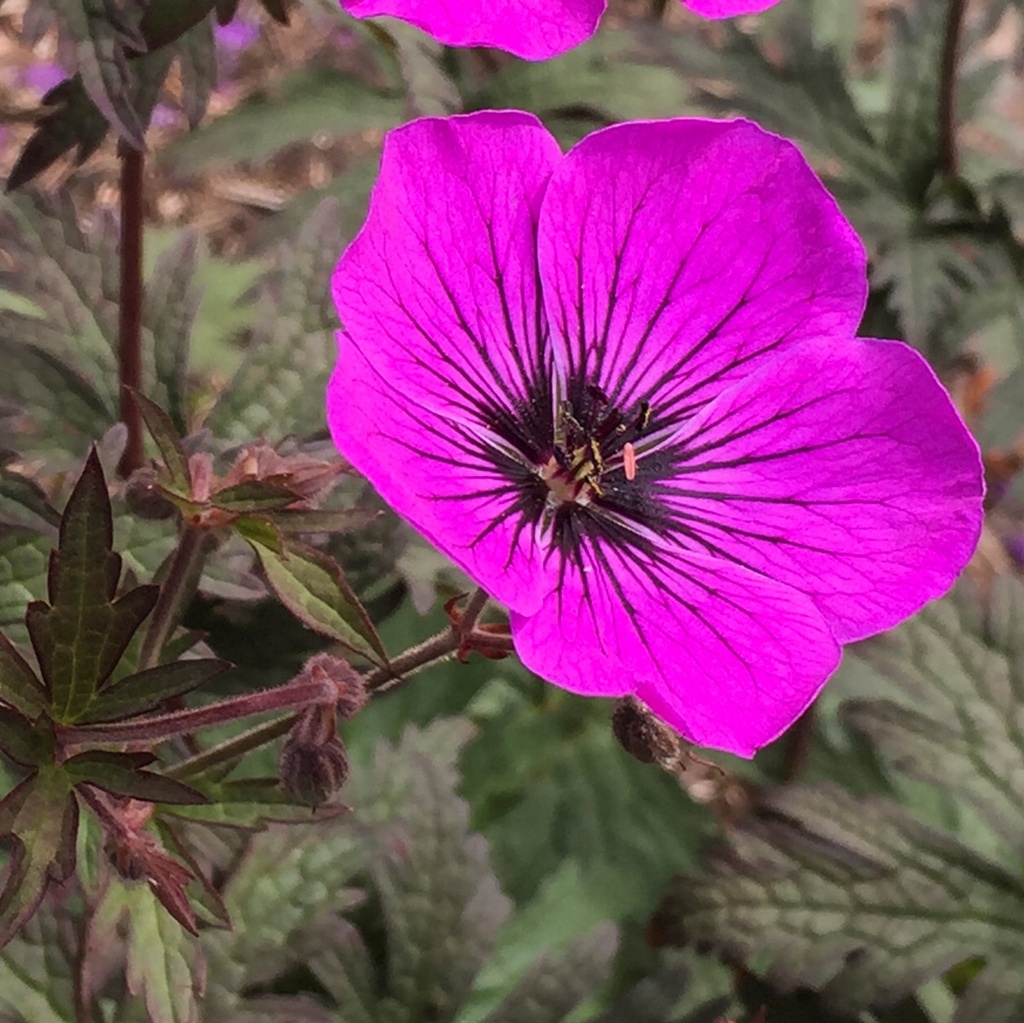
(351,693)
(144,499)
(314,763)
(641,734)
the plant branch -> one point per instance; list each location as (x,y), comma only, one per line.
(947,87)
(432,651)
(184,569)
(129,343)
(157,727)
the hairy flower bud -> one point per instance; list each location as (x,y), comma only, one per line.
(314,763)
(351,693)
(640,733)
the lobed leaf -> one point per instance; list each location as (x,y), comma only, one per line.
(37,970)
(162,429)
(80,635)
(123,774)
(24,505)
(20,687)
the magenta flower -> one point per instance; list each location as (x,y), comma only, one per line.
(621,389)
(534,29)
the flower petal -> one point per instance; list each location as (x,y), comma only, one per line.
(841,469)
(534,29)
(439,287)
(727,657)
(728,8)
(432,472)
(678,255)
(438,295)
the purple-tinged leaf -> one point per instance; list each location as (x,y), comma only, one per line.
(20,688)
(165,435)
(324,520)
(138,693)
(311,585)
(80,635)
(24,743)
(254,496)
(41,816)
(101,31)
(249,804)
(123,774)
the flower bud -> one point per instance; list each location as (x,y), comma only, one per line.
(144,499)
(351,693)
(314,763)
(641,734)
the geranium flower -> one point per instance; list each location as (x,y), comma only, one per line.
(621,388)
(533,29)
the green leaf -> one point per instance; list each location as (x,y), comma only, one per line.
(145,690)
(311,585)
(23,504)
(168,20)
(293,347)
(312,101)
(247,803)
(197,63)
(164,963)
(123,774)
(254,496)
(959,722)
(22,576)
(41,816)
(37,971)
(851,897)
(23,743)
(80,636)
(77,122)
(100,31)
(324,520)
(163,431)
(172,301)
(20,687)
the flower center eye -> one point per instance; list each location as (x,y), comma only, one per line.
(589,445)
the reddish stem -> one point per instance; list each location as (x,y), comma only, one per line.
(158,727)
(947,87)
(129,345)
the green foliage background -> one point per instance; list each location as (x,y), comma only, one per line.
(504,860)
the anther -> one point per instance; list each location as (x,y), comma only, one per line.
(629,461)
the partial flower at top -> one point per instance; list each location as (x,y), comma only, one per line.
(621,388)
(533,29)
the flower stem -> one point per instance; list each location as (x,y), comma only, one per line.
(948,163)
(184,569)
(129,345)
(180,722)
(437,648)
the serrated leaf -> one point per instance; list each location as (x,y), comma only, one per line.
(851,897)
(37,971)
(197,63)
(173,295)
(959,671)
(100,31)
(20,687)
(558,982)
(248,803)
(80,635)
(164,433)
(293,347)
(77,122)
(254,496)
(123,774)
(311,585)
(164,962)
(41,816)
(135,694)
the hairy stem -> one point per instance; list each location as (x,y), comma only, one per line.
(129,344)
(157,727)
(432,651)
(184,569)
(948,163)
